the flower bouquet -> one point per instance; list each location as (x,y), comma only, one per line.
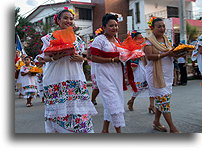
(183,49)
(130,49)
(62,42)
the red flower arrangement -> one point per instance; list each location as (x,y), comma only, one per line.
(63,42)
(130,49)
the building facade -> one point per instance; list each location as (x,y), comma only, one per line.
(120,7)
(140,12)
(44,14)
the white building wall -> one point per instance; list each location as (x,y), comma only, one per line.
(157,8)
(48,12)
(85,26)
(140,27)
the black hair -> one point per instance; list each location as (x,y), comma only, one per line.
(135,34)
(29,57)
(156,20)
(63,11)
(107,17)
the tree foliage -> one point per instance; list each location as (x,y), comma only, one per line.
(192,32)
(30,34)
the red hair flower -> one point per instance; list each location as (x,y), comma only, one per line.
(55,19)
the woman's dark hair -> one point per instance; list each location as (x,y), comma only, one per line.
(61,12)
(135,34)
(107,17)
(58,15)
(156,20)
(28,57)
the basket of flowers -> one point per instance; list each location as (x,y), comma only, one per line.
(34,70)
(62,42)
(183,49)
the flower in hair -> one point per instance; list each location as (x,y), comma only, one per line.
(55,19)
(70,10)
(98,31)
(151,21)
(134,31)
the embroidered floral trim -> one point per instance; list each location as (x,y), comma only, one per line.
(30,87)
(74,123)
(67,90)
(26,68)
(141,85)
(163,103)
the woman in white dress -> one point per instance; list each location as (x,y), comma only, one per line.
(139,74)
(159,73)
(68,108)
(109,74)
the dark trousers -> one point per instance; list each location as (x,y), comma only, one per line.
(183,73)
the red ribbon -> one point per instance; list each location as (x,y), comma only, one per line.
(98,52)
(130,76)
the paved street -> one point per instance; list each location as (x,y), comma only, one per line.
(186,111)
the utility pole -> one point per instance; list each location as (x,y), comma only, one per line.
(183,34)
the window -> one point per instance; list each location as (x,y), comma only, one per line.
(38,23)
(50,20)
(132,15)
(85,14)
(172,12)
(137,12)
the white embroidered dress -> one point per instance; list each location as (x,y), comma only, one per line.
(68,108)
(109,77)
(167,67)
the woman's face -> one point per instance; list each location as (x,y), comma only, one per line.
(111,27)
(66,20)
(159,28)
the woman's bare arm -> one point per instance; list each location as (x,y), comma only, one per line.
(154,56)
(98,59)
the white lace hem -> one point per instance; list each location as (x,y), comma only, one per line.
(70,107)
(116,119)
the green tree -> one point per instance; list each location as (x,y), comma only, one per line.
(27,33)
(192,32)
(20,23)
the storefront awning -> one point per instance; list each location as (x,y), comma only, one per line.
(196,23)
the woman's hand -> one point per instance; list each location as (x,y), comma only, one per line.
(58,55)
(76,58)
(116,59)
(171,53)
